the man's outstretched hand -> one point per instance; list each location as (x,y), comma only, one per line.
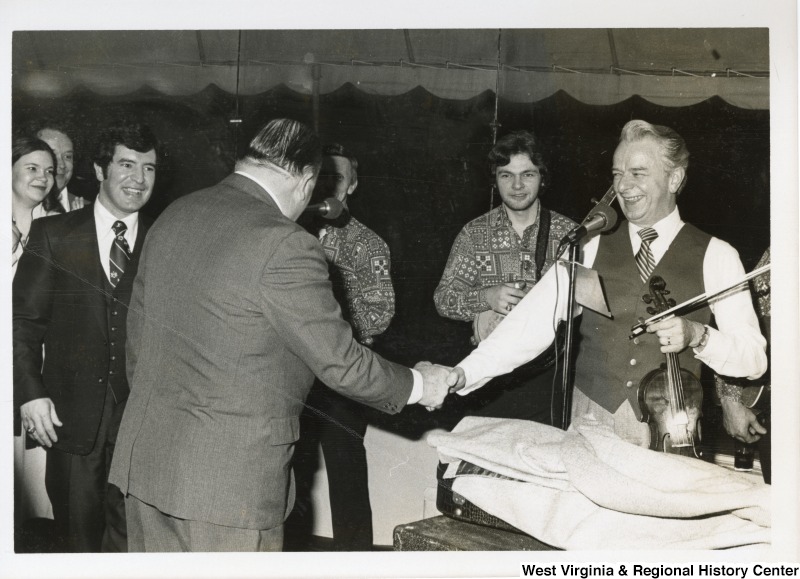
(456,379)
(434,384)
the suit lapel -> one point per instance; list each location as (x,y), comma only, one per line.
(81,255)
(100,310)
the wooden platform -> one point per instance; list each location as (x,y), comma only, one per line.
(446,534)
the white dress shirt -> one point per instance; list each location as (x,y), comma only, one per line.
(417,389)
(63,199)
(36,213)
(736,348)
(104,222)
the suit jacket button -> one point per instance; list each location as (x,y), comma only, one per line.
(633,362)
(99,380)
(629,384)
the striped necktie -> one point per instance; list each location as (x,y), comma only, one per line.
(120,253)
(644,258)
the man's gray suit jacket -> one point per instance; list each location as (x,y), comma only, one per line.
(231,316)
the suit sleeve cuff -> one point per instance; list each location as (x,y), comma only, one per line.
(416,389)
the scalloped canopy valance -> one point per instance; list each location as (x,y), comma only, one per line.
(670,67)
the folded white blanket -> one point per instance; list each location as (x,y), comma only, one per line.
(589,489)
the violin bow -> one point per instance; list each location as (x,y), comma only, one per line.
(700,300)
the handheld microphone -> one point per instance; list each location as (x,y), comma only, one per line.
(601,218)
(331,208)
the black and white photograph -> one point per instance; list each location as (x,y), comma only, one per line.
(343,283)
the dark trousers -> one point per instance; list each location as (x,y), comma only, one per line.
(89,512)
(341,426)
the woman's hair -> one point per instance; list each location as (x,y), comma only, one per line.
(25,145)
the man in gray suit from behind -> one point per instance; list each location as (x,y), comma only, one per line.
(231,317)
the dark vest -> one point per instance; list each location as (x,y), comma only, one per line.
(610,366)
(117,300)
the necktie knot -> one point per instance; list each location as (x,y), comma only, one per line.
(119,228)
(648,234)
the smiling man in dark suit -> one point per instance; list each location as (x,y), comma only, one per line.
(71,294)
(232,315)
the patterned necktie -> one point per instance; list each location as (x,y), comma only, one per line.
(120,253)
(644,258)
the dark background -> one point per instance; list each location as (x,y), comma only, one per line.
(423,174)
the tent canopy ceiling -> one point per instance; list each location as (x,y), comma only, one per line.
(62,60)
(642,50)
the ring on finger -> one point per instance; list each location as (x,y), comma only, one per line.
(31,429)
(508,308)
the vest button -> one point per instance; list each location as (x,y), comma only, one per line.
(111,371)
(113,358)
(113,343)
(114,313)
(629,384)
(113,328)
(99,380)
(633,361)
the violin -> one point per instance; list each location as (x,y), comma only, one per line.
(670,398)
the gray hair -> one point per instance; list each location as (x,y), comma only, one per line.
(673,148)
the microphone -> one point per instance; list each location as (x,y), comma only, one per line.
(601,218)
(331,208)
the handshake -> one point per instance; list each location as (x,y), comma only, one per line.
(437,382)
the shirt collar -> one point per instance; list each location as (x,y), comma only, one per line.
(501,218)
(105,220)
(264,187)
(667,228)
(63,198)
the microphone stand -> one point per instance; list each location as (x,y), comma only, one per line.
(566,383)
(610,220)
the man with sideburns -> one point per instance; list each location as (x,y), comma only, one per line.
(70,295)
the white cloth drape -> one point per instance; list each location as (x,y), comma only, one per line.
(588,489)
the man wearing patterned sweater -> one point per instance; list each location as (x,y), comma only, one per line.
(359,270)
(497,258)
